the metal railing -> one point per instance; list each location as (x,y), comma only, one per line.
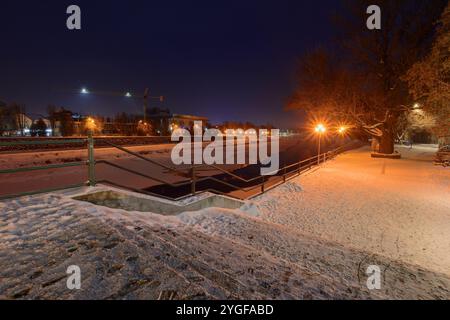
(46,167)
(267,182)
(258,184)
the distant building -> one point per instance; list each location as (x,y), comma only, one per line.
(41,127)
(15,124)
(62,122)
(164,122)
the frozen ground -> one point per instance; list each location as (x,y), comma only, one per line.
(309,239)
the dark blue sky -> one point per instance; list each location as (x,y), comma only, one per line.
(227,60)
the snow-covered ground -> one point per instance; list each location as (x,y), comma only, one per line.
(311,238)
(396,208)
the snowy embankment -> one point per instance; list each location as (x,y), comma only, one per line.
(311,238)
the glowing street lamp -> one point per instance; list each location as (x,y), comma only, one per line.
(128,94)
(342,130)
(319,129)
(90,124)
(173,127)
(84,91)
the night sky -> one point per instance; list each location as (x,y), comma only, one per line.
(226,60)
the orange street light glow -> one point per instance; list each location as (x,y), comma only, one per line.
(320,128)
(90,124)
(342,130)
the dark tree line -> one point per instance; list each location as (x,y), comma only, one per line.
(12,117)
(429,79)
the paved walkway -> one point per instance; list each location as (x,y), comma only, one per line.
(396,208)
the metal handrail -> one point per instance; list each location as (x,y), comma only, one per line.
(272,172)
(325,155)
(51,166)
(115,184)
(27,143)
(144,158)
(177,184)
(194,180)
(37,168)
(264,185)
(257,177)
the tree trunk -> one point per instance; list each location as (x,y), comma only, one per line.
(375,144)
(387,142)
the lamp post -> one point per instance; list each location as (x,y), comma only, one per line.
(320,129)
(128,94)
(342,132)
(90,124)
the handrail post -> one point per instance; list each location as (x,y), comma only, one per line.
(318,150)
(91,161)
(193,178)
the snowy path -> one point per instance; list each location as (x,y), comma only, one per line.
(294,248)
(396,208)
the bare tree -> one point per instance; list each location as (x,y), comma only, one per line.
(2,116)
(18,114)
(52,117)
(363,83)
(429,79)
